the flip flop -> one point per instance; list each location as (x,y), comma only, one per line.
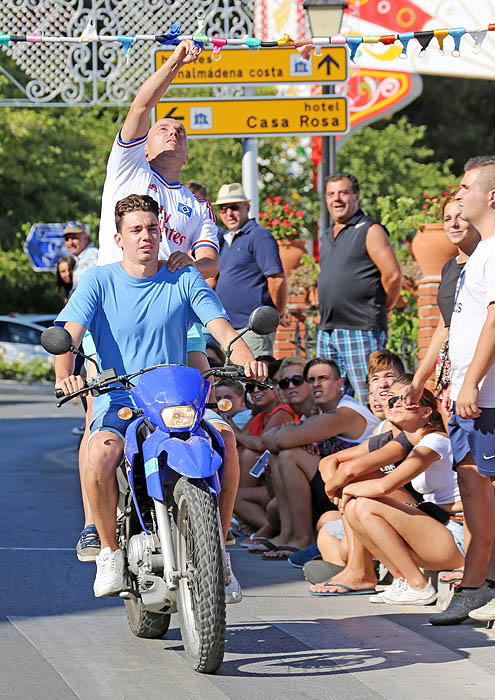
(265,542)
(249,541)
(452,580)
(281,548)
(347,590)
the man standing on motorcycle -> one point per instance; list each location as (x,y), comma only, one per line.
(150,161)
(138,313)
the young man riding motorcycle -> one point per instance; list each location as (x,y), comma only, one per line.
(138,313)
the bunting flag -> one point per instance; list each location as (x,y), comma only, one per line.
(446,39)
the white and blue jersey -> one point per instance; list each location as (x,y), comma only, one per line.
(186,221)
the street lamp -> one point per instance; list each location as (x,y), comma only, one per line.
(325,18)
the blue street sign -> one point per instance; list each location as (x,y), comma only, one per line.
(44,245)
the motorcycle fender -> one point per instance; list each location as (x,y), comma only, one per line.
(194,458)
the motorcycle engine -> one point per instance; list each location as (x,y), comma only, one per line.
(142,555)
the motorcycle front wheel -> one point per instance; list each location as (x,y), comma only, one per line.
(201,594)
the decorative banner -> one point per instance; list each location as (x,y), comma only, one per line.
(459,51)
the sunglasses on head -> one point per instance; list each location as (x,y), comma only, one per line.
(223,207)
(296,380)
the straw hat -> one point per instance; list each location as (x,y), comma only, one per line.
(230,194)
(74,227)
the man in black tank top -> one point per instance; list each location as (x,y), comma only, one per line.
(359,283)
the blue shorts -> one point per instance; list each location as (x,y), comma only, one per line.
(475,435)
(457,531)
(108,419)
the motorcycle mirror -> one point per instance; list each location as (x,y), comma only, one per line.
(56,340)
(264,320)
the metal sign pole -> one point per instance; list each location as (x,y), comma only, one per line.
(250,174)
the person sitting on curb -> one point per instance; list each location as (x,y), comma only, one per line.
(301,499)
(257,505)
(403,537)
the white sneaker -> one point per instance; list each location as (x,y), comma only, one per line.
(109,572)
(233,591)
(394,588)
(406,595)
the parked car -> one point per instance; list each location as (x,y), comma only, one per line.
(20,340)
(45,320)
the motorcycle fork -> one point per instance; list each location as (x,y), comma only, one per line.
(170,572)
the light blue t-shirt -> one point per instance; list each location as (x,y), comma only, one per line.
(138,322)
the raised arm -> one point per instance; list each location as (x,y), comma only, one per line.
(381,251)
(152,90)
(427,365)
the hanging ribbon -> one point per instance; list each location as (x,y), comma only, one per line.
(286,40)
(34,37)
(388,39)
(89,34)
(424,39)
(217,42)
(457,33)
(171,37)
(338,40)
(440,35)
(4,39)
(127,42)
(405,38)
(478,38)
(371,39)
(354,42)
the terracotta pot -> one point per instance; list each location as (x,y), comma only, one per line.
(431,248)
(291,253)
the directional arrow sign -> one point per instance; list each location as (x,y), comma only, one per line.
(269,66)
(259,116)
(44,245)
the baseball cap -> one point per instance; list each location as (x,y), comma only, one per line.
(74,227)
(228,194)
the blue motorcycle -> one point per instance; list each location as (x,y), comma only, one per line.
(169,483)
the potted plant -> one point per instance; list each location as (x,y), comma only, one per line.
(285,223)
(430,245)
(304,279)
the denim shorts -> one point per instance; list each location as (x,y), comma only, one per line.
(457,531)
(475,435)
(108,419)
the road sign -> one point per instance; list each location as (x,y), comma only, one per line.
(258,116)
(44,245)
(266,67)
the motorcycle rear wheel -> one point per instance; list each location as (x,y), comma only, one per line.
(142,622)
(201,594)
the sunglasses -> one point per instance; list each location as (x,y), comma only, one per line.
(223,207)
(296,380)
(250,388)
(395,399)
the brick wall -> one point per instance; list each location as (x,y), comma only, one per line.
(428,315)
(293,339)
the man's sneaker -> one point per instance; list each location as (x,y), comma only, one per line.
(405,595)
(463,602)
(88,544)
(233,591)
(393,589)
(486,613)
(109,572)
(299,559)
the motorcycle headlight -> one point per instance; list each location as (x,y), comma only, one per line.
(178,416)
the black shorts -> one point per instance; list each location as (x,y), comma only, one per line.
(320,502)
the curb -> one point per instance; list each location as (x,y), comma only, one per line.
(12,386)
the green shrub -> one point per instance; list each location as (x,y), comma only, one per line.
(39,370)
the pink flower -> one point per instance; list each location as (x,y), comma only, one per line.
(275,222)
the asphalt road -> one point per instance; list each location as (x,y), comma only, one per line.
(58,642)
